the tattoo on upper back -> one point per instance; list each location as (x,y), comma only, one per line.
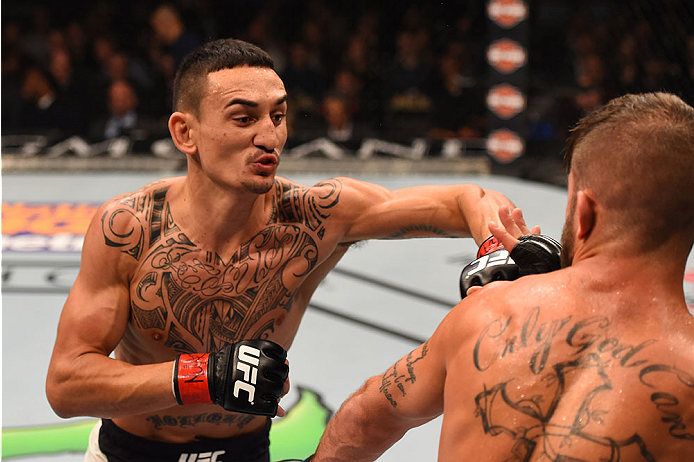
(531,421)
(200,301)
(394,379)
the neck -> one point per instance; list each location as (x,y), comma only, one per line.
(658,273)
(217,219)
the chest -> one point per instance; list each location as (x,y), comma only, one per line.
(195,301)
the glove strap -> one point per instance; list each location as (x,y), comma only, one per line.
(191,384)
(489,245)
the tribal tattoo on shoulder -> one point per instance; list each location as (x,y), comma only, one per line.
(529,422)
(394,380)
(199,301)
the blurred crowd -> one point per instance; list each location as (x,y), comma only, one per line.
(397,70)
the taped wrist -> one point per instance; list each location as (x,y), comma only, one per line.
(191,379)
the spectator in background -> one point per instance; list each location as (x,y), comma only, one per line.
(362,61)
(349,85)
(70,82)
(301,77)
(304,83)
(121,66)
(123,117)
(76,43)
(409,71)
(259,32)
(44,108)
(340,126)
(407,84)
(459,110)
(173,40)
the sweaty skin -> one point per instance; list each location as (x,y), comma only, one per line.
(554,367)
(592,362)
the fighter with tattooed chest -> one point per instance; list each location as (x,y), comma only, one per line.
(197,284)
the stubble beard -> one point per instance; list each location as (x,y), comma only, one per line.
(260,186)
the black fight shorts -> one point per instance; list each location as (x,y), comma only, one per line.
(120,446)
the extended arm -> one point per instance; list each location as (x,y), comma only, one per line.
(408,394)
(372,211)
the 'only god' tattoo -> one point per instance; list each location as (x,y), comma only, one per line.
(528,422)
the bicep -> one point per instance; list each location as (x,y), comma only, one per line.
(97,309)
(93,317)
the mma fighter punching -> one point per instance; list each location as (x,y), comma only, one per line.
(197,284)
(593,362)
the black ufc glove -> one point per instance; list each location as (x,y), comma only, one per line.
(533,254)
(496,266)
(536,253)
(246,376)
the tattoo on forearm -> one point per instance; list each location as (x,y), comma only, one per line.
(189,421)
(199,301)
(530,421)
(392,378)
(418,231)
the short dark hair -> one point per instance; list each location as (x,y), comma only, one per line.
(637,155)
(211,57)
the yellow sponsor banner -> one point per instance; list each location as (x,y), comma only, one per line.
(33,227)
(46,219)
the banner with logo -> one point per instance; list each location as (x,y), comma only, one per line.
(45,227)
(507,57)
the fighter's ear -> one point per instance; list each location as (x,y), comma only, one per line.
(182,129)
(586,213)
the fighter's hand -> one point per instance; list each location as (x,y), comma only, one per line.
(511,228)
(249,376)
(280,410)
(530,253)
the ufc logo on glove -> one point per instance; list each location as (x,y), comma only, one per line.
(220,377)
(248,364)
(500,257)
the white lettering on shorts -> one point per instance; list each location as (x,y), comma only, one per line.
(201,457)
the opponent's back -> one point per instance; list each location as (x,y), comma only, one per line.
(571,365)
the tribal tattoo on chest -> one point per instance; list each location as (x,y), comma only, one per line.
(199,301)
(541,424)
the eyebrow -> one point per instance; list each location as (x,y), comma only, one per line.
(249,103)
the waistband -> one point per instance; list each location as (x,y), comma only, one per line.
(121,446)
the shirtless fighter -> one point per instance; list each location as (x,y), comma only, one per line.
(593,362)
(197,284)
